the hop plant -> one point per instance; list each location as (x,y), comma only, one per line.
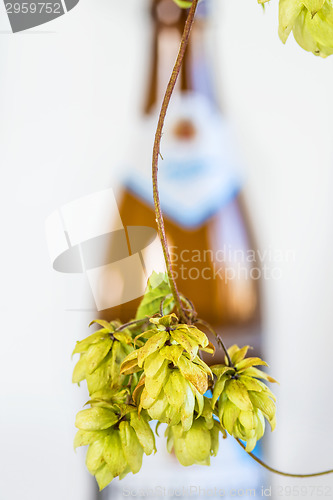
(135,374)
(174,377)
(116,436)
(101,355)
(199,443)
(243,401)
(311,22)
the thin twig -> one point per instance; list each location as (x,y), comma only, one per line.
(130,323)
(221,343)
(156,153)
(192,312)
(218,339)
(162,303)
(288,474)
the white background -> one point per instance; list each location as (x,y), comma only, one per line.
(66,98)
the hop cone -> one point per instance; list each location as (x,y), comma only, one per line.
(101,355)
(184,4)
(243,401)
(174,378)
(117,438)
(311,22)
(199,443)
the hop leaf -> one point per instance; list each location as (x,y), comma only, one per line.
(158,289)
(241,400)
(311,22)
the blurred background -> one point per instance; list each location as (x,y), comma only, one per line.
(70,92)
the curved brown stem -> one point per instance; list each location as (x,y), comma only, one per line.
(276,471)
(131,323)
(156,153)
(218,339)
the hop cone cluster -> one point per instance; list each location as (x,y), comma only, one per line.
(199,443)
(136,373)
(117,438)
(243,401)
(174,377)
(311,22)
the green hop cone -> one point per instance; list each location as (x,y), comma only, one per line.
(116,436)
(101,355)
(311,22)
(173,378)
(243,401)
(184,4)
(199,443)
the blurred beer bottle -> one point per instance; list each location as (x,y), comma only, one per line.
(206,221)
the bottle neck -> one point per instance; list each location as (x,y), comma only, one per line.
(168,24)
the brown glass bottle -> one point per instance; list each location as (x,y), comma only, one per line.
(211,250)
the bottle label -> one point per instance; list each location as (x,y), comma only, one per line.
(198,169)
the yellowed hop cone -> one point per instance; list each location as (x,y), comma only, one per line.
(174,377)
(184,4)
(117,438)
(243,401)
(311,22)
(199,443)
(101,355)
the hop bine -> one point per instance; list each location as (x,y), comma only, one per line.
(241,400)
(174,378)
